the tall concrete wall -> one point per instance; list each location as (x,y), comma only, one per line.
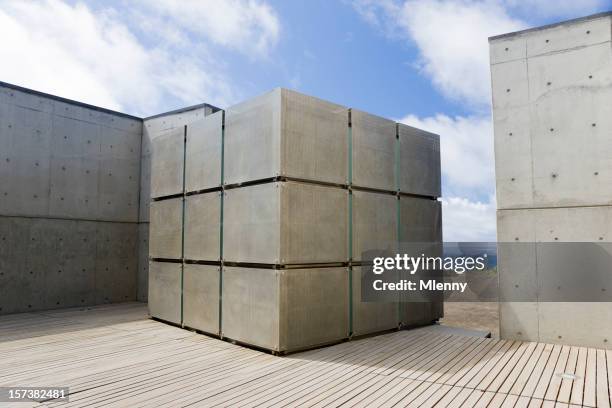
(552,108)
(69,202)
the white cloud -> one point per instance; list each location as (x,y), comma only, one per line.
(468,221)
(105,58)
(249,26)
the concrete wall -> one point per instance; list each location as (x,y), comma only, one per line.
(69,202)
(552,108)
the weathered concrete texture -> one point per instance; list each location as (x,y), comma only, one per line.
(552,89)
(372,317)
(375,222)
(168,150)
(201,297)
(285,223)
(285,310)
(143,262)
(374,147)
(68,202)
(419,166)
(525,271)
(203,153)
(166,229)
(51,263)
(165,291)
(289,134)
(203,227)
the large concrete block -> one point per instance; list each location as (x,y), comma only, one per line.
(118,184)
(166,229)
(509,84)
(419,155)
(14,240)
(420,220)
(203,153)
(569,35)
(375,222)
(371,317)
(285,310)
(284,133)
(507,49)
(203,227)
(373,149)
(165,291)
(167,161)
(201,297)
(286,223)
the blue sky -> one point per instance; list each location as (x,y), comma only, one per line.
(424,62)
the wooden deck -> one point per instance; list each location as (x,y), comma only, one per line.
(115,356)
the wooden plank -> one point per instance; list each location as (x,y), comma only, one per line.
(590,379)
(602,395)
(578,384)
(565,390)
(506,374)
(528,374)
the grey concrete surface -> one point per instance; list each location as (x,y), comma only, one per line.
(203,153)
(285,310)
(374,145)
(375,222)
(165,293)
(552,89)
(285,223)
(371,317)
(286,133)
(419,162)
(201,297)
(166,229)
(203,227)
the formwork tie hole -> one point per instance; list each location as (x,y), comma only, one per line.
(596,173)
(588,32)
(593,124)
(552,129)
(508,90)
(549,83)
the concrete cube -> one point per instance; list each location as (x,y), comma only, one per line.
(167,161)
(419,155)
(374,147)
(201,297)
(285,223)
(375,222)
(166,229)
(371,317)
(285,310)
(203,153)
(284,133)
(165,291)
(203,226)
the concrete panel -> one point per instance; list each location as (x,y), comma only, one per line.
(519,320)
(374,144)
(74,188)
(509,85)
(314,141)
(142,278)
(289,222)
(203,227)
(145,188)
(118,181)
(585,323)
(252,139)
(167,159)
(371,317)
(14,238)
(571,147)
(201,297)
(165,291)
(508,49)
(588,68)
(166,229)
(375,222)
(314,223)
(419,162)
(203,153)
(251,224)
(420,220)
(313,307)
(286,133)
(513,158)
(116,262)
(567,36)
(285,310)
(251,299)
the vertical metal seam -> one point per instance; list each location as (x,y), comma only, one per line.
(398,209)
(222,194)
(183,222)
(350,220)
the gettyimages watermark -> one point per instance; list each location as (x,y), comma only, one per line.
(489,272)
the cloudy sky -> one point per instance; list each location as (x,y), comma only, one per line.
(423,62)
